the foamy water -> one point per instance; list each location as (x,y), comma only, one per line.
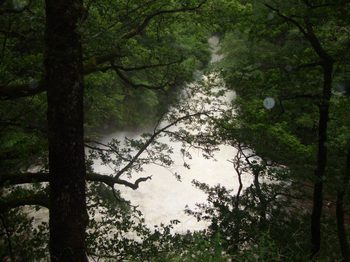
(164,197)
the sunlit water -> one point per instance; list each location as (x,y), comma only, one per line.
(164,197)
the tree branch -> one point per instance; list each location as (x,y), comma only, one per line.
(112,180)
(21,90)
(289,19)
(308,33)
(40,199)
(148,19)
(151,139)
(25,178)
(129,82)
(13,91)
(93,69)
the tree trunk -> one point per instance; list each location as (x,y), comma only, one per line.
(321,159)
(343,242)
(63,65)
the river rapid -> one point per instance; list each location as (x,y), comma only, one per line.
(164,198)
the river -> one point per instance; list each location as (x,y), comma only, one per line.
(164,197)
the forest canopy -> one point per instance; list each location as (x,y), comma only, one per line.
(74,71)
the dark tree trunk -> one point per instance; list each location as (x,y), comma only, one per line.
(63,65)
(320,170)
(344,246)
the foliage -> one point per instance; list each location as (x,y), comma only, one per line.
(21,238)
(271,55)
(136,56)
(136,61)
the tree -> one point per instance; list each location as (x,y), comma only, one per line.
(65,91)
(68,57)
(289,40)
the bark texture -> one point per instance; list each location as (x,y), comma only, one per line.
(64,81)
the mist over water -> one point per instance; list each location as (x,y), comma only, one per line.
(164,197)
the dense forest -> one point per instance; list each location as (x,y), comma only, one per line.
(276,89)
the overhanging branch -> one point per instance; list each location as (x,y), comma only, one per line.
(39,199)
(288,19)
(112,180)
(25,178)
(308,33)
(13,91)
(149,18)
(130,83)
(21,90)
(95,68)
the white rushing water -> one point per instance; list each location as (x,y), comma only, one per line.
(164,197)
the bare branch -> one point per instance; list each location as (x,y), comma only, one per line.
(112,180)
(24,178)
